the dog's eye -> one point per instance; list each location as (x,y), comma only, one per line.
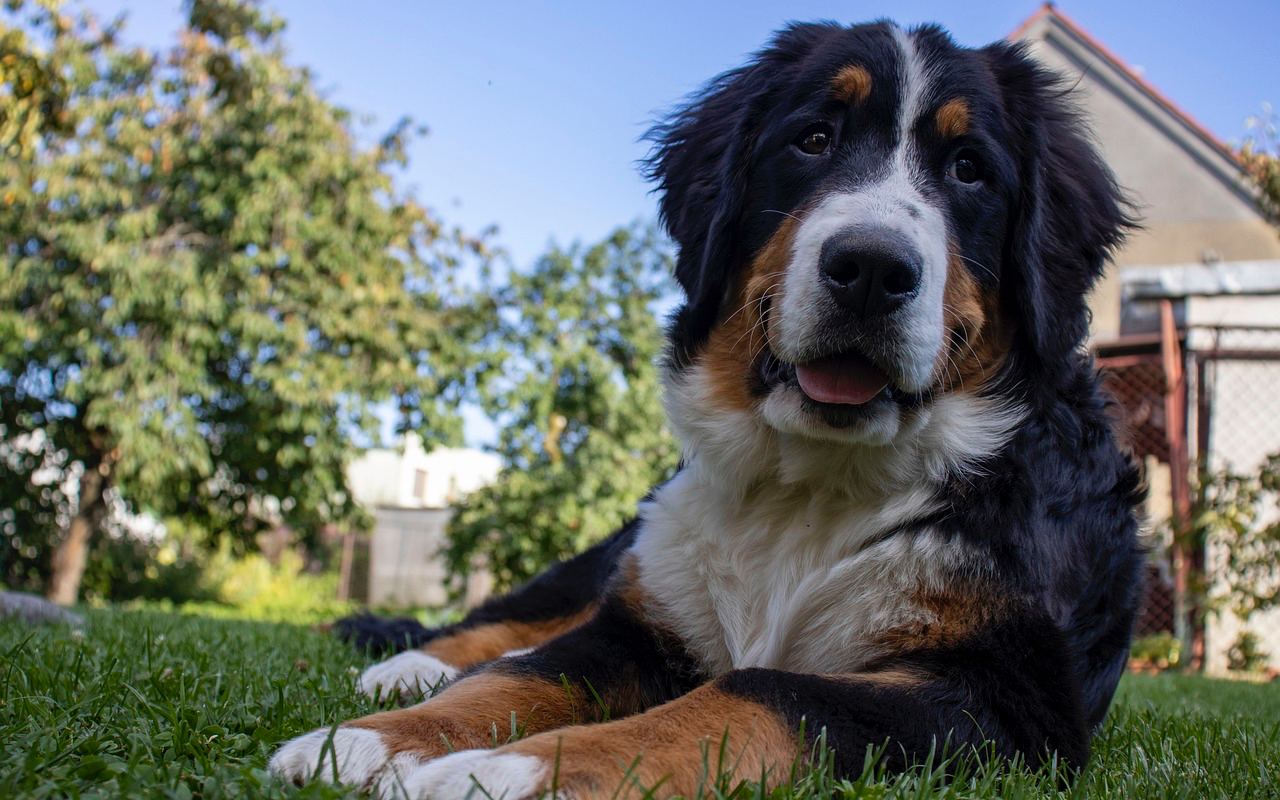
(815,139)
(966,167)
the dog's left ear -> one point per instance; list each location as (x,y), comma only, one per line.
(701,162)
(1069,213)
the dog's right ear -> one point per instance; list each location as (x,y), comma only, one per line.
(701,162)
(1069,216)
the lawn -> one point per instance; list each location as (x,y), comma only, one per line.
(164,705)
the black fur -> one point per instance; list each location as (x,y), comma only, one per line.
(383,635)
(965,700)
(625,664)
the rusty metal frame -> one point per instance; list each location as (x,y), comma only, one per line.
(1188,557)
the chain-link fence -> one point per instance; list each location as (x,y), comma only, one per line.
(1204,398)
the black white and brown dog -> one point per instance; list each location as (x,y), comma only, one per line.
(902,514)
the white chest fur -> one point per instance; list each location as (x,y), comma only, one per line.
(770,549)
(786,578)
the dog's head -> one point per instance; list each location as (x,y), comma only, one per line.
(871,220)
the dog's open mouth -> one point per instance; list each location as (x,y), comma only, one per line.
(842,389)
(845,379)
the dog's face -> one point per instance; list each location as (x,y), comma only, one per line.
(872,219)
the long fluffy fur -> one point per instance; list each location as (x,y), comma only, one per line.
(954,559)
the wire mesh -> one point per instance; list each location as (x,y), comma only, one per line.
(1233,422)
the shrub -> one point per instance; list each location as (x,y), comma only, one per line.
(251,587)
(1247,655)
(1159,651)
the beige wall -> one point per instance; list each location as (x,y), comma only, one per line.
(1193,200)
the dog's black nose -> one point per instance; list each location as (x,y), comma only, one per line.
(870,272)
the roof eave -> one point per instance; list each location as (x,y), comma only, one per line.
(1049,13)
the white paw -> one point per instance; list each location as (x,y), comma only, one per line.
(413,672)
(465,775)
(360,753)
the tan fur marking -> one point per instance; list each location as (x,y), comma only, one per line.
(487,642)
(977,341)
(851,85)
(953,118)
(625,585)
(476,712)
(670,748)
(734,344)
(955,614)
(892,678)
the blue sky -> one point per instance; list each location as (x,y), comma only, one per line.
(536,108)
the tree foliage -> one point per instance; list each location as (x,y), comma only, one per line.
(577,398)
(1260,157)
(207,285)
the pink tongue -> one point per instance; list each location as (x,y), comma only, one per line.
(844,380)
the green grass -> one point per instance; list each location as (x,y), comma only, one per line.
(162,705)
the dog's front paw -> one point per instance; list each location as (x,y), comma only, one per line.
(413,673)
(466,775)
(353,756)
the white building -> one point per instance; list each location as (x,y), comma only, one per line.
(411,477)
(410,492)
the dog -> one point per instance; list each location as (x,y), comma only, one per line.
(902,515)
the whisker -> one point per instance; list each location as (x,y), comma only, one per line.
(747,334)
(783,213)
(764,340)
(977,264)
(747,303)
(769,294)
(951,365)
(966,341)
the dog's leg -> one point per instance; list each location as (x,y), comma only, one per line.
(1014,695)
(558,600)
(414,673)
(612,666)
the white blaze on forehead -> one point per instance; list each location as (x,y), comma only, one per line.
(913,75)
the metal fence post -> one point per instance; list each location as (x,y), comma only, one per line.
(1186,624)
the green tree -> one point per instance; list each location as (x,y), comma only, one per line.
(1260,157)
(576,394)
(208,286)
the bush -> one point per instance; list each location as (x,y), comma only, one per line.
(1237,511)
(125,568)
(178,574)
(251,587)
(1157,652)
(1247,655)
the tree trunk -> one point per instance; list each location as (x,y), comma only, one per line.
(73,553)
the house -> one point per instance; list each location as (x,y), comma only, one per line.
(1187,320)
(412,477)
(1198,209)
(410,491)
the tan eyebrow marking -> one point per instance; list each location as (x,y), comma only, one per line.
(953,118)
(851,84)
